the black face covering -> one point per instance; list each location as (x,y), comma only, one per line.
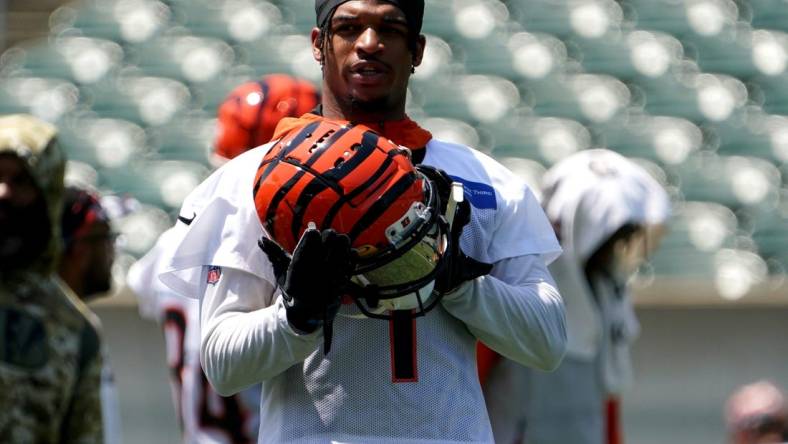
(413,9)
(24,234)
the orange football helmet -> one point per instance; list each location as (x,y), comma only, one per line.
(346,177)
(250,113)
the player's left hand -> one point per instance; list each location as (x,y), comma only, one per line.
(457,267)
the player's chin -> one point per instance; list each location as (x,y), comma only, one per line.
(370,102)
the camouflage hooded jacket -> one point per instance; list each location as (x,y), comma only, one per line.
(50,365)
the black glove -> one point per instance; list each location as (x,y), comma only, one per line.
(313,280)
(457,267)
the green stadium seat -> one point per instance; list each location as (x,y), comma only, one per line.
(521,54)
(753,134)
(144,100)
(229,20)
(284,53)
(299,14)
(188,58)
(582,97)
(663,139)
(129,21)
(543,139)
(586,18)
(47,98)
(693,95)
(81,175)
(165,183)
(735,181)
(770,233)
(771,92)
(81,60)
(701,244)
(455,131)
(683,17)
(770,14)
(438,62)
(102,143)
(727,52)
(629,55)
(530,171)
(139,228)
(187,138)
(473,98)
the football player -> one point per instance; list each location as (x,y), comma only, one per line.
(349,232)
(609,214)
(86,267)
(246,119)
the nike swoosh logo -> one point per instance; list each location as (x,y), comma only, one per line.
(187,221)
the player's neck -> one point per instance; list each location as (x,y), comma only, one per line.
(345,110)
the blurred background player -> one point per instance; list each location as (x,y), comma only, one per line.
(86,267)
(246,119)
(250,113)
(609,214)
(757,414)
(50,360)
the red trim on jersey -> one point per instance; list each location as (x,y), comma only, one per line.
(613,433)
(486,360)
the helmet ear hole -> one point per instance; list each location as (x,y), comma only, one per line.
(339,162)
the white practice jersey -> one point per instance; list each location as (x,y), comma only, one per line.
(588,197)
(401,381)
(204,416)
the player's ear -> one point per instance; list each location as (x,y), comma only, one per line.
(418,54)
(317,45)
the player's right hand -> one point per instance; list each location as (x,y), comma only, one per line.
(314,279)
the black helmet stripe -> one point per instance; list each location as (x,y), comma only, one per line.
(321,182)
(303,169)
(305,133)
(332,212)
(382,204)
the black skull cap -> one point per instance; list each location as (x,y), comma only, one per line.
(413,9)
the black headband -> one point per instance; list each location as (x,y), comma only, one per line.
(413,9)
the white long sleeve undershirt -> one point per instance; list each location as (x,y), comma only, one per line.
(246,338)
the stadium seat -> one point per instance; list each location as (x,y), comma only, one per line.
(81,175)
(544,139)
(771,92)
(627,55)
(730,51)
(229,20)
(124,21)
(450,19)
(521,54)
(530,171)
(480,98)
(693,95)
(165,183)
(667,140)
(102,143)
(753,134)
(145,100)
(187,138)
(438,61)
(770,14)
(47,98)
(770,233)
(586,18)
(284,53)
(187,58)
(81,60)
(684,17)
(140,227)
(455,131)
(698,230)
(734,181)
(299,14)
(583,97)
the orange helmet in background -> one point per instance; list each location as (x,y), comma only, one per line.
(248,116)
(346,177)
